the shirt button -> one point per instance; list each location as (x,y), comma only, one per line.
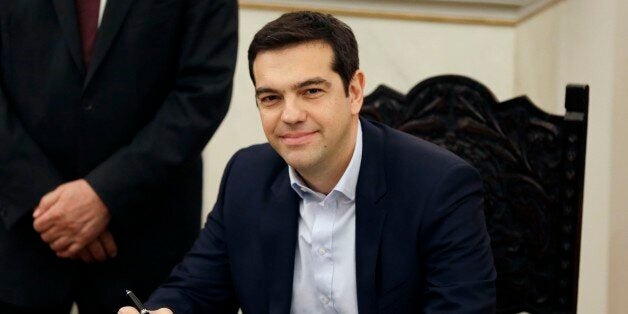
(324,299)
(322,251)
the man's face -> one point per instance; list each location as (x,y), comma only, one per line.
(306,115)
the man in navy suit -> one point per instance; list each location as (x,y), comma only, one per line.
(336,214)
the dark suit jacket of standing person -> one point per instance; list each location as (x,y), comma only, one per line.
(421,239)
(133,124)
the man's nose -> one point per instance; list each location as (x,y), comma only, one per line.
(293,111)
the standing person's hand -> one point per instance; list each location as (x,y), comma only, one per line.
(102,248)
(71,217)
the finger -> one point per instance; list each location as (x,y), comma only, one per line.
(97,250)
(46,202)
(60,244)
(90,232)
(85,256)
(128,310)
(72,250)
(46,220)
(51,235)
(75,256)
(106,239)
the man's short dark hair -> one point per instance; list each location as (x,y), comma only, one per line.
(306,26)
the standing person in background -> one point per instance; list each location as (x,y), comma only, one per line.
(105,107)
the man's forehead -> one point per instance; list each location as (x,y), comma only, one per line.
(291,66)
(301,53)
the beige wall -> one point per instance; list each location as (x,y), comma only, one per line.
(579,41)
(618,288)
(536,60)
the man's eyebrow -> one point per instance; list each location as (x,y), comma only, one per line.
(262,90)
(312,81)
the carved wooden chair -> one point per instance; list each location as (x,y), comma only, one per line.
(532,164)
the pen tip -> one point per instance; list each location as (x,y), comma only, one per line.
(128,291)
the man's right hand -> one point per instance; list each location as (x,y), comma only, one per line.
(71,217)
(132,310)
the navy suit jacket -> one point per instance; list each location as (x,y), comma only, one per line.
(421,240)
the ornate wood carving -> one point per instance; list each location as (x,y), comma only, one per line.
(532,164)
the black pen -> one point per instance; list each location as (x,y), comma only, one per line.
(137,302)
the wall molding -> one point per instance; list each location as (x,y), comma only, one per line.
(505,13)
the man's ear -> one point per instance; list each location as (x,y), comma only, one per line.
(356,91)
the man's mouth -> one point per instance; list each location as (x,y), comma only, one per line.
(296,138)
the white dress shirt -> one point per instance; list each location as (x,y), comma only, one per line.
(324,265)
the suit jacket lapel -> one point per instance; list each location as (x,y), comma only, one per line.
(66,14)
(370,215)
(279,230)
(115,12)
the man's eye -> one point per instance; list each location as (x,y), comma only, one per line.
(313,91)
(268,99)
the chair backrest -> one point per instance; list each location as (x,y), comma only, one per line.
(532,164)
